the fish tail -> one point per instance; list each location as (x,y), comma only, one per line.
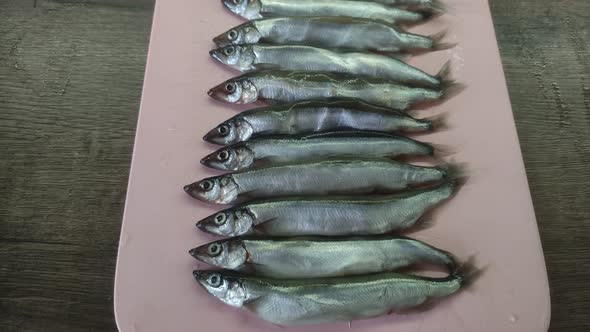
(425,222)
(444,75)
(451,88)
(431,11)
(458,183)
(438,42)
(437,122)
(454,171)
(467,272)
(427,14)
(441,150)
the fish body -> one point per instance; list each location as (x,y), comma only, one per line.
(246,58)
(322,300)
(434,6)
(328,216)
(286,86)
(318,257)
(258,9)
(306,118)
(330,32)
(264,151)
(315,178)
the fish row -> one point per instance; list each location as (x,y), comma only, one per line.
(317,181)
(320,50)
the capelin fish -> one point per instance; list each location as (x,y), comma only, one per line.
(434,6)
(247,58)
(265,151)
(319,257)
(285,86)
(322,300)
(331,32)
(258,9)
(310,117)
(329,216)
(323,177)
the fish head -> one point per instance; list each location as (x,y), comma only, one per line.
(240,57)
(232,131)
(248,9)
(228,253)
(220,190)
(232,158)
(228,289)
(239,90)
(230,222)
(240,35)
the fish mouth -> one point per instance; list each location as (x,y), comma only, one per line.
(212,137)
(206,225)
(192,190)
(198,253)
(206,161)
(202,225)
(200,275)
(217,93)
(215,55)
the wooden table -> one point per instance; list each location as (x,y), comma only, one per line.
(70,84)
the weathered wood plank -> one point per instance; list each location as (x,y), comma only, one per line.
(70,83)
(545,47)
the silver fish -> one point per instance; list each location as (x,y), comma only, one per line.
(434,6)
(264,151)
(305,118)
(246,58)
(258,9)
(329,216)
(319,257)
(331,32)
(323,177)
(285,86)
(312,301)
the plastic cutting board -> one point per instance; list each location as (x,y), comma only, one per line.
(491,218)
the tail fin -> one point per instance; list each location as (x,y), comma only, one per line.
(437,41)
(467,272)
(441,151)
(427,14)
(451,88)
(423,223)
(444,75)
(455,171)
(458,183)
(437,122)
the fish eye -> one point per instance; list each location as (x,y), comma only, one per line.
(229,50)
(230,87)
(237,2)
(223,130)
(232,34)
(206,185)
(214,249)
(223,155)
(220,219)
(214,280)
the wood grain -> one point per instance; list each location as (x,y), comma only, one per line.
(545,48)
(70,82)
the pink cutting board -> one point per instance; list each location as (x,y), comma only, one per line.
(492,217)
